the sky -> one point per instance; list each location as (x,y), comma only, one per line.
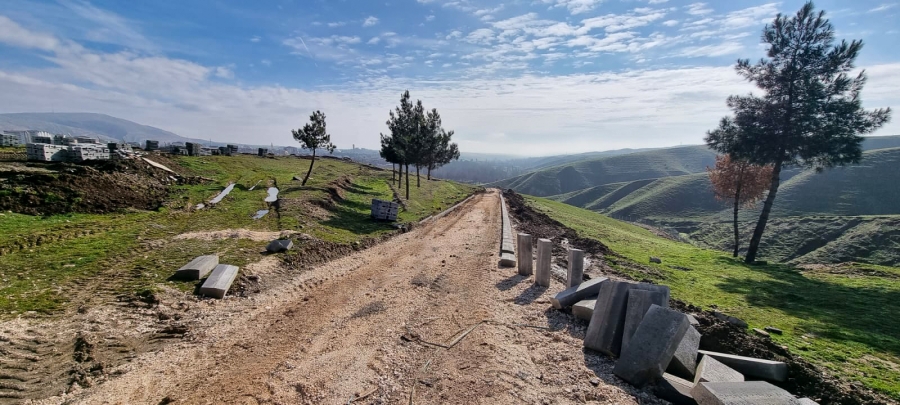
(527,77)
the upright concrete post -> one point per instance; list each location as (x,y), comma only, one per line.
(576,268)
(525,257)
(544,254)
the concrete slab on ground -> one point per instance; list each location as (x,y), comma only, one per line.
(639,301)
(197,268)
(570,296)
(279,245)
(651,348)
(712,370)
(219,281)
(604,333)
(584,309)
(675,390)
(684,363)
(743,393)
(507,259)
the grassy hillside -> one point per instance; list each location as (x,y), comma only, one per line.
(832,316)
(612,169)
(46,261)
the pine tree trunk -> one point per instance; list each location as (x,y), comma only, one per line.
(418,179)
(393,172)
(407,181)
(308,172)
(429,172)
(737,235)
(764,215)
(399,175)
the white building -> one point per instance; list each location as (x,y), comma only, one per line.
(46,152)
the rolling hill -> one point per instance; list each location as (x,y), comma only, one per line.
(593,172)
(103,126)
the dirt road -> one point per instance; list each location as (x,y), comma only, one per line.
(359,326)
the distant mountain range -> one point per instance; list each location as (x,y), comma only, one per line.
(102,126)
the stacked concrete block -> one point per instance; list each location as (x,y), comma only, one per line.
(525,254)
(570,296)
(218,283)
(262,152)
(711,370)
(757,368)
(652,346)
(675,390)
(197,268)
(584,309)
(744,393)
(46,152)
(544,256)
(279,245)
(684,363)
(575,273)
(385,210)
(151,145)
(604,333)
(639,301)
(81,153)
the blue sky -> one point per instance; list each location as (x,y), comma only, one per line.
(527,77)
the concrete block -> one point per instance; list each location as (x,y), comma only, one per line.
(525,255)
(693,320)
(279,245)
(604,333)
(219,281)
(639,301)
(711,370)
(684,363)
(197,268)
(570,296)
(576,268)
(675,390)
(544,256)
(651,348)
(730,319)
(507,259)
(807,401)
(743,393)
(584,309)
(751,367)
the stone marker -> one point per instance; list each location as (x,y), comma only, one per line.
(604,333)
(730,319)
(576,268)
(584,309)
(197,268)
(764,369)
(639,301)
(219,281)
(655,260)
(507,259)
(544,255)
(761,332)
(807,401)
(572,295)
(711,370)
(675,390)
(525,256)
(773,329)
(744,393)
(684,363)
(652,346)
(279,245)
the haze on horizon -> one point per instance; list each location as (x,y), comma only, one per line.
(535,77)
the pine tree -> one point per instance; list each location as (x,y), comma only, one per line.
(313,136)
(810,113)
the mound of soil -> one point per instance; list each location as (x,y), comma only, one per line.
(805,379)
(99,187)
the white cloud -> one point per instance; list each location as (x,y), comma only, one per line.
(224,72)
(266,62)
(11,33)
(670,23)
(725,48)
(255,38)
(370,21)
(576,6)
(374,41)
(657,1)
(337,24)
(620,22)
(454,34)
(430,18)
(883,7)
(480,36)
(698,9)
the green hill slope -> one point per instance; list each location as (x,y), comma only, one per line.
(612,169)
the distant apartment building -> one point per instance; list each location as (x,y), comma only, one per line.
(151,145)
(9,140)
(45,152)
(26,137)
(263,152)
(193,149)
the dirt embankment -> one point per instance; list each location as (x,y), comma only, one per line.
(96,187)
(806,380)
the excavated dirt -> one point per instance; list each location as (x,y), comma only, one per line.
(95,187)
(805,379)
(426,317)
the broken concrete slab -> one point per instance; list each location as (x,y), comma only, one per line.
(544,255)
(604,333)
(693,320)
(584,309)
(730,319)
(639,301)
(570,296)
(807,401)
(218,283)
(675,390)
(279,245)
(684,362)
(751,367)
(575,273)
(761,332)
(743,393)
(525,255)
(712,370)
(197,268)
(651,348)
(507,259)
(772,329)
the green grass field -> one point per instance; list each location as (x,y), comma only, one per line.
(46,258)
(839,318)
